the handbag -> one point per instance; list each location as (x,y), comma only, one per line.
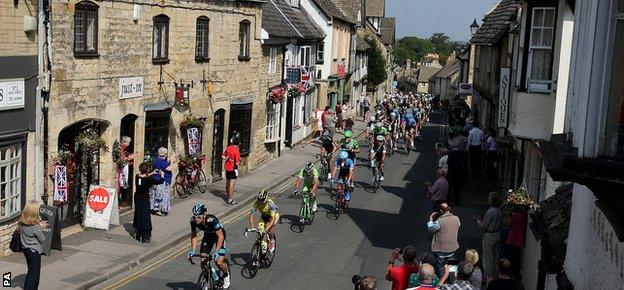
(16,242)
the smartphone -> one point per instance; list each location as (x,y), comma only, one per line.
(453,265)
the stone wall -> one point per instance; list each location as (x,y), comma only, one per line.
(13,39)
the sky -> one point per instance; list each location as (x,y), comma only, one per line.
(422,18)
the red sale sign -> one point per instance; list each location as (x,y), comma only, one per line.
(101,208)
(98,199)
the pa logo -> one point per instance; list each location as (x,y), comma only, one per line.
(6,279)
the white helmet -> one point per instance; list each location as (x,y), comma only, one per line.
(372,119)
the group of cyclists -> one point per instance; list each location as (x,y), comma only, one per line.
(401,116)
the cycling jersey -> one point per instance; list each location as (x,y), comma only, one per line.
(267,210)
(380,131)
(210,226)
(350,146)
(308,178)
(327,143)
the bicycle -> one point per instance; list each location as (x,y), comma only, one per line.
(210,277)
(260,255)
(306,214)
(190,177)
(340,205)
(376,174)
(325,160)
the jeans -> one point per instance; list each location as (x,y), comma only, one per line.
(33,260)
(441,258)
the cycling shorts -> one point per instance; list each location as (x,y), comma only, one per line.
(208,242)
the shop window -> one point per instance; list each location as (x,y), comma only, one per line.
(539,68)
(86,29)
(243,40)
(304,55)
(156,132)
(240,121)
(614,129)
(10,180)
(160,53)
(272,127)
(272,60)
(202,38)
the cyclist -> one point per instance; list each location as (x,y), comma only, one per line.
(409,123)
(310,176)
(350,145)
(268,213)
(214,238)
(346,169)
(378,154)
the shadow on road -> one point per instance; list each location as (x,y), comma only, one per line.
(181,285)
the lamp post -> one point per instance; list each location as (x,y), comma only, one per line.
(474,27)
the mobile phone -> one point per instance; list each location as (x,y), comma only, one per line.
(453,265)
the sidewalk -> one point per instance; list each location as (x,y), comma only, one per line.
(90,257)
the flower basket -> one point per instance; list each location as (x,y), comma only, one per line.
(277,94)
(190,121)
(519,200)
(297,90)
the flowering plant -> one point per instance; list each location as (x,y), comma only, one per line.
(519,200)
(190,121)
(296,90)
(277,94)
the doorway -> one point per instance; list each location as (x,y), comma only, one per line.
(127,129)
(217,144)
(289,121)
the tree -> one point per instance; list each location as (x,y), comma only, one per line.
(416,48)
(376,64)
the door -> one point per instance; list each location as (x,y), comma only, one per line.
(127,129)
(289,121)
(217,144)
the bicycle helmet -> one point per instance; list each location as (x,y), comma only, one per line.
(343,155)
(262,195)
(325,133)
(372,119)
(309,167)
(199,209)
(378,125)
(380,138)
(348,134)
(393,115)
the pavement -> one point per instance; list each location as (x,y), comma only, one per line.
(90,257)
(327,253)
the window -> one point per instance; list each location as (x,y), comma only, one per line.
(539,68)
(10,180)
(156,132)
(374,21)
(614,130)
(272,60)
(308,109)
(297,111)
(85,29)
(320,52)
(240,121)
(304,55)
(160,52)
(243,40)
(202,38)
(272,127)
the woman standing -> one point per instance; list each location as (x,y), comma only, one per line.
(161,202)
(491,225)
(142,220)
(32,239)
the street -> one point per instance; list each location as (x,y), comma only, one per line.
(329,252)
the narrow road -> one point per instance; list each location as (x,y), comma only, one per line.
(327,253)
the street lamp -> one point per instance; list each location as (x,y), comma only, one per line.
(473,27)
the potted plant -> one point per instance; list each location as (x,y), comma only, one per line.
(519,200)
(277,94)
(190,121)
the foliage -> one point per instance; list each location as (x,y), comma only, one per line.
(296,90)
(90,143)
(377,73)
(416,48)
(117,155)
(519,200)
(190,121)
(277,94)
(189,160)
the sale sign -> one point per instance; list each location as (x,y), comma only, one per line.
(101,209)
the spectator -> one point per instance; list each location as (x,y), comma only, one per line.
(161,190)
(339,116)
(491,155)
(365,107)
(463,141)
(142,221)
(469,125)
(464,273)
(457,173)
(399,275)
(504,281)
(453,141)
(472,257)
(349,124)
(325,112)
(491,224)
(330,122)
(516,238)
(368,283)
(443,162)
(445,229)
(32,238)
(232,159)
(438,192)
(126,159)
(475,141)
(426,276)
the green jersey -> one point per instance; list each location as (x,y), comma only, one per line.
(309,178)
(380,131)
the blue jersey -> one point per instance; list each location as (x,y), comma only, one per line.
(344,163)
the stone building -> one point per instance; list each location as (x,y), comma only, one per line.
(137,69)
(18,94)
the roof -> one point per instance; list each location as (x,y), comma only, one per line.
(361,44)
(424,73)
(448,70)
(333,9)
(496,23)
(375,8)
(281,20)
(387,30)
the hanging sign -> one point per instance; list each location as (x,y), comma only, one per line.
(465,89)
(102,209)
(11,94)
(52,232)
(503,98)
(194,140)
(130,87)
(182,96)
(60,183)
(342,71)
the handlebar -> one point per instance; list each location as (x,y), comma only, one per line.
(201,255)
(253,230)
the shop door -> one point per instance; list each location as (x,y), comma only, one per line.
(217,144)
(127,129)
(289,121)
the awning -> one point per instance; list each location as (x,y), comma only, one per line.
(162,106)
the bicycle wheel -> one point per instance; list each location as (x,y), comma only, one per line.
(254,263)
(201,184)
(270,256)
(204,282)
(180,186)
(338,206)
(303,219)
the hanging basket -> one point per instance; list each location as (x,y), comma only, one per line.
(190,121)
(277,94)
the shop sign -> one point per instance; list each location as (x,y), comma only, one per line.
(182,96)
(342,71)
(102,209)
(465,89)
(11,94)
(130,87)
(503,98)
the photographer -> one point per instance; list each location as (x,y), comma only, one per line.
(464,273)
(399,275)
(445,226)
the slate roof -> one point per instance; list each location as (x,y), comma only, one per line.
(333,9)
(387,30)
(448,70)
(375,8)
(361,44)
(425,74)
(281,20)
(496,23)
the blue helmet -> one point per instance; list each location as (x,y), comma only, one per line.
(343,155)
(199,209)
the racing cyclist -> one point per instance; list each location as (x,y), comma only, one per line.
(310,176)
(214,238)
(346,170)
(268,215)
(351,146)
(378,154)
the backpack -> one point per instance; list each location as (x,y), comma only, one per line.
(16,242)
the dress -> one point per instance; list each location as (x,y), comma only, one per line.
(142,221)
(160,192)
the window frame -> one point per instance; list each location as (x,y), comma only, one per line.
(205,56)
(85,7)
(272,133)
(320,52)
(273,60)
(241,116)
(304,57)
(19,182)
(540,86)
(164,20)
(244,44)
(155,130)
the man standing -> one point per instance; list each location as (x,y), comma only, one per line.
(330,122)
(399,275)
(503,282)
(445,229)
(438,192)
(475,140)
(464,272)
(231,161)
(365,107)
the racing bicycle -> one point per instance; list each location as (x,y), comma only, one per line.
(325,160)
(306,214)
(340,205)
(210,276)
(260,254)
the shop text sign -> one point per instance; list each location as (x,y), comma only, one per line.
(503,98)
(11,94)
(130,87)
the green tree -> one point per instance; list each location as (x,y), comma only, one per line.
(376,64)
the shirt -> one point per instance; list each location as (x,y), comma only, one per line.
(458,285)
(162,163)
(492,221)
(445,231)
(490,144)
(439,189)
(330,121)
(503,284)
(210,226)
(269,209)
(232,157)
(309,178)
(475,136)
(399,275)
